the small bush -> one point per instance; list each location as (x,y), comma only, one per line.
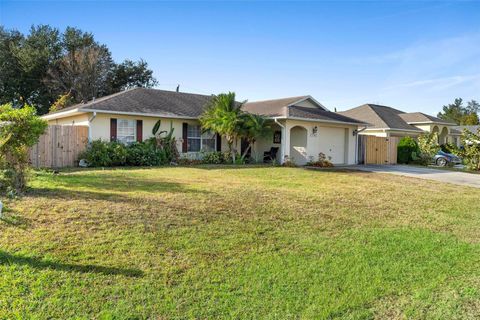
(428,147)
(214,158)
(145,154)
(471,151)
(20,129)
(407,148)
(322,161)
(289,162)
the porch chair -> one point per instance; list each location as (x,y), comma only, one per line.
(269,156)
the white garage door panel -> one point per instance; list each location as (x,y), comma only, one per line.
(332,143)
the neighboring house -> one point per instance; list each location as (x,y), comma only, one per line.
(389,122)
(303,127)
(459,130)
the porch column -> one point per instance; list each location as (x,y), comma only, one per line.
(285,142)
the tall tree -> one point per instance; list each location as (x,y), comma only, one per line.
(39,67)
(253,127)
(453,111)
(460,114)
(83,72)
(224,116)
(129,74)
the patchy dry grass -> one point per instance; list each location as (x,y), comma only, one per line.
(216,242)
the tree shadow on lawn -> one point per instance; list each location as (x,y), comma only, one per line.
(121,183)
(37,263)
(15,221)
(107,188)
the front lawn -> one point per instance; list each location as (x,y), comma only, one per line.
(246,242)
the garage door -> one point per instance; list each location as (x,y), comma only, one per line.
(332,143)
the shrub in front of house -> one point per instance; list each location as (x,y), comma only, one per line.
(109,154)
(20,129)
(216,158)
(406,149)
(321,162)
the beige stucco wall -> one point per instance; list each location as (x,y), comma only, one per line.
(78,120)
(334,140)
(100,126)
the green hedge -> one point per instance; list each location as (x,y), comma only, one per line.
(108,154)
(406,149)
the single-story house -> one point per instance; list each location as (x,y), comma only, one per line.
(459,131)
(389,122)
(302,126)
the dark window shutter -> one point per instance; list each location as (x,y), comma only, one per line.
(113,129)
(139,130)
(184,137)
(219,142)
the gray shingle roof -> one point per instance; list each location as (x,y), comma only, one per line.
(271,108)
(320,114)
(188,105)
(149,101)
(460,129)
(420,117)
(285,108)
(379,117)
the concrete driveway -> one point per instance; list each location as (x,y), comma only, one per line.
(459,178)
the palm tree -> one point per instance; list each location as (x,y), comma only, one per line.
(253,127)
(223,115)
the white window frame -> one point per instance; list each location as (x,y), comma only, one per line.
(134,131)
(201,138)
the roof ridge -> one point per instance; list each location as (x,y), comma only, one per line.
(267,100)
(180,92)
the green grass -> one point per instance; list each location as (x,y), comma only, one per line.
(239,242)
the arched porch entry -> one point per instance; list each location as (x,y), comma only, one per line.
(436,130)
(442,138)
(298,145)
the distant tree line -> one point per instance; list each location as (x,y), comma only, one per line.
(48,67)
(460,113)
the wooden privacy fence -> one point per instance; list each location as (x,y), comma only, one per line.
(377,150)
(59,147)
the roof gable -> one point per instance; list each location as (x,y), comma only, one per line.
(420,117)
(380,117)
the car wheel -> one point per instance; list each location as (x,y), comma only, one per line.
(442,162)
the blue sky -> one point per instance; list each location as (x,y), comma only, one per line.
(412,55)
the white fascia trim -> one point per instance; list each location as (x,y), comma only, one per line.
(155,115)
(319,120)
(393,129)
(433,122)
(60,114)
(307,98)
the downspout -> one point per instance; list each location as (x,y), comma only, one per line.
(282,154)
(89,126)
(356,132)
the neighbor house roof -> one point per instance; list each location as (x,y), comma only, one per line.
(460,129)
(455,132)
(146,101)
(419,117)
(290,108)
(380,117)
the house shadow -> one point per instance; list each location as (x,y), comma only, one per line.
(37,263)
